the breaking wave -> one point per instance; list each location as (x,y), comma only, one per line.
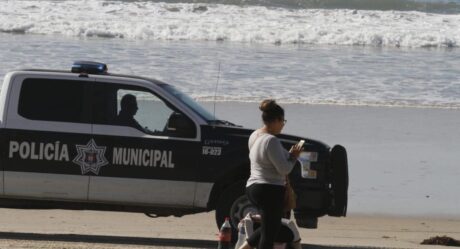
(442,6)
(217,22)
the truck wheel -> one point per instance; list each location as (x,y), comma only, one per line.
(234,204)
(240,208)
(306,221)
(339,184)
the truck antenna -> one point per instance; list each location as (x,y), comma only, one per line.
(215,91)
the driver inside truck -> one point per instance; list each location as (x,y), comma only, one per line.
(129,108)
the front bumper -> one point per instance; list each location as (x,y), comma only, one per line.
(325,190)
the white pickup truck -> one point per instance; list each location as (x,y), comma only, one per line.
(87,139)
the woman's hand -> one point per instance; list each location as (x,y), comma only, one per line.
(295,151)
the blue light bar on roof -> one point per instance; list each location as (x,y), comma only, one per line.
(89,67)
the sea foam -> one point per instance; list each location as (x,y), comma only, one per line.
(217,22)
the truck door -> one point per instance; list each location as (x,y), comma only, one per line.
(152,147)
(48,118)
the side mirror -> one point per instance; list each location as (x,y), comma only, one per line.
(180,125)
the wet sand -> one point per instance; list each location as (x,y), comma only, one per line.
(92,229)
(404,175)
(402,161)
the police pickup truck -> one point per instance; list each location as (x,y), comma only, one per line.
(86,139)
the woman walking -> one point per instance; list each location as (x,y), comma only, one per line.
(270,164)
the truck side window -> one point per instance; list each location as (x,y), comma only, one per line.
(121,105)
(53,100)
(147,110)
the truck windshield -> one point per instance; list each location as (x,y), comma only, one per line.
(189,102)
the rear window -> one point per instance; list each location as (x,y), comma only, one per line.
(54,100)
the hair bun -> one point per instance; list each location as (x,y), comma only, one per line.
(267,105)
(271,111)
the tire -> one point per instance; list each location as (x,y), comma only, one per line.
(234,204)
(339,184)
(309,222)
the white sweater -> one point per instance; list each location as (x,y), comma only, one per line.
(270,162)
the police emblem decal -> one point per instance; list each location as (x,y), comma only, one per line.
(90,157)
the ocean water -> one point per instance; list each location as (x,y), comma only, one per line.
(336,55)
(384,53)
(338,75)
(149,20)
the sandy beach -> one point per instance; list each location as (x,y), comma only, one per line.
(88,229)
(402,161)
(403,187)
(379,77)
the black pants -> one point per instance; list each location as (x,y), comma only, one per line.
(268,199)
